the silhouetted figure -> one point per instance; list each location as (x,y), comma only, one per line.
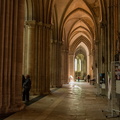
(23,79)
(27,87)
(88,77)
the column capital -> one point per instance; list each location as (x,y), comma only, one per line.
(65,50)
(111,6)
(48,26)
(61,42)
(31,23)
(56,41)
(96,42)
(53,41)
(40,23)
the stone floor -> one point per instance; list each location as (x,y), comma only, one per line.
(76,101)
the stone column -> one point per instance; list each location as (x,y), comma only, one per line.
(53,61)
(104,51)
(11,53)
(38,63)
(100,52)
(59,56)
(71,65)
(45,59)
(90,65)
(96,61)
(118,26)
(84,67)
(64,69)
(97,65)
(56,58)
(112,50)
(103,45)
(119,16)
(78,65)
(29,52)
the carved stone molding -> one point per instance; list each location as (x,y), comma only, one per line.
(65,50)
(30,24)
(61,42)
(47,25)
(40,24)
(54,41)
(96,42)
(111,6)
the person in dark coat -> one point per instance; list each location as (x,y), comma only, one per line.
(88,78)
(26,87)
(23,79)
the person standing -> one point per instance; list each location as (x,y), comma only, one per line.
(26,87)
(23,79)
(78,79)
(88,78)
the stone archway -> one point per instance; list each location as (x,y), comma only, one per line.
(80,62)
(80,43)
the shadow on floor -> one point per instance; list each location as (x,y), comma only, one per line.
(2,117)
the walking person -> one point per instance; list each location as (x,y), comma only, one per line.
(78,79)
(26,87)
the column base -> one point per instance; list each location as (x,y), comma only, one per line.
(53,86)
(4,110)
(46,93)
(58,86)
(40,93)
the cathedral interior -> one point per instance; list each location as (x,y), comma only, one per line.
(55,42)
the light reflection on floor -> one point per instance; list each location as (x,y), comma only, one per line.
(75,101)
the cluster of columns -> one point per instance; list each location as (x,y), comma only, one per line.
(64,67)
(55,63)
(71,65)
(37,55)
(42,57)
(11,53)
(105,44)
(30,55)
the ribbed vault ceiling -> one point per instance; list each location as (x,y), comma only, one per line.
(77,20)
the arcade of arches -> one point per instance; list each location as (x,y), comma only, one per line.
(52,40)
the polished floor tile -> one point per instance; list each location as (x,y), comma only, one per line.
(75,101)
